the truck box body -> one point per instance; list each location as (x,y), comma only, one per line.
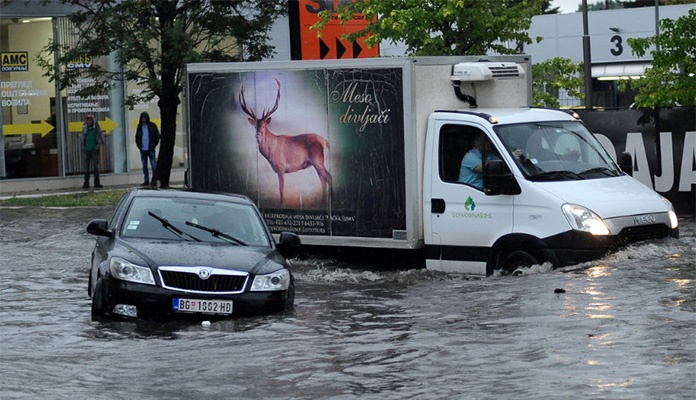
(359,153)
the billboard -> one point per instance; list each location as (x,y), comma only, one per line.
(320,151)
(662,143)
(307,45)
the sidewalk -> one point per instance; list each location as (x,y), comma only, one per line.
(37,187)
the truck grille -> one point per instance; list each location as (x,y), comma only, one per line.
(218,281)
(644,232)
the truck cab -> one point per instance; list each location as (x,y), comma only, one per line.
(548,192)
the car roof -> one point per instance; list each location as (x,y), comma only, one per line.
(189,193)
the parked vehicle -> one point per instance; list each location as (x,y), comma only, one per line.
(370,153)
(171,253)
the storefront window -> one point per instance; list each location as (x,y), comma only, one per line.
(41,126)
(153,110)
(28,101)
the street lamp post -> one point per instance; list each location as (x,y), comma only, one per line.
(587,57)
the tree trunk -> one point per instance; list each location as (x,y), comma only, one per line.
(169,96)
(165,159)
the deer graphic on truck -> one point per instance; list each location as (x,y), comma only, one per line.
(287,154)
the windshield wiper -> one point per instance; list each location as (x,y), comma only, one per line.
(603,170)
(216,233)
(556,175)
(170,227)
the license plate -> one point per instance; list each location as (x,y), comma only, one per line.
(202,306)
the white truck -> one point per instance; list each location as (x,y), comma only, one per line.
(388,153)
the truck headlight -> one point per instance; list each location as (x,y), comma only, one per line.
(278,280)
(127,271)
(673,220)
(583,219)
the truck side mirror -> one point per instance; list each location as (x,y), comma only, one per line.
(497,181)
(626,162)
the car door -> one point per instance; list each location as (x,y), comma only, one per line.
(461,222)
(103,244)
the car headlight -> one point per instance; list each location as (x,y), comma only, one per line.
(127,271)
(673,220)
(583,219)
(278,280)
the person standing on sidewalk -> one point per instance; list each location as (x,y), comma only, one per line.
(92,139)
(147,137)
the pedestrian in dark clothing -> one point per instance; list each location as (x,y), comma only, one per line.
(92,138)
(147,137)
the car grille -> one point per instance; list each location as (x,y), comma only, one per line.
(189,279)
(644,232)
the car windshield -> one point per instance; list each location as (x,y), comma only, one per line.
(553,151)
(195,220)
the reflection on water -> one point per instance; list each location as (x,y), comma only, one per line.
(623,328)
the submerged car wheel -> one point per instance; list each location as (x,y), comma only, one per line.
(516,262)
(98,299)
(290,302)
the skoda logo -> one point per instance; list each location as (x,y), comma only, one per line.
(204,273)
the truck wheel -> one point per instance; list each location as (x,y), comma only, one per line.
(98,300)
(515,263)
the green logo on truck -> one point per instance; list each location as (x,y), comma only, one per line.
(469,204)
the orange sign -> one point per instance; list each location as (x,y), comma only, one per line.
(330,45)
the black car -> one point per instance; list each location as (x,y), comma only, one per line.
(179,253)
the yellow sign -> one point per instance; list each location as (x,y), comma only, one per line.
(27,129)
(156,121)
(14,61)
(107,125)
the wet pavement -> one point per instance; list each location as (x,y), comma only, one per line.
(623,327)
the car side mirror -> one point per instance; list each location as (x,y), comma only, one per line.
(99,227)
(626,162)
(289,244)
(497,180)
(289,239)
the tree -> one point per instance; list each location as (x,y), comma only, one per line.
(154,40)
(604,5)
(547,9)
(443,27)
(671,80)
(651,3)
(553,74)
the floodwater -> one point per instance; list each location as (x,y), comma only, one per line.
(625,328)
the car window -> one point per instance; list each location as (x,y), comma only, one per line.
(195,220)
(120,208)
(559,150)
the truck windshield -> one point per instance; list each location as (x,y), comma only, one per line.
(553,151)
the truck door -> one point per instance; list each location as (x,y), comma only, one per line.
(461,223)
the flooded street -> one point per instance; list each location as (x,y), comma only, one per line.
(624,328)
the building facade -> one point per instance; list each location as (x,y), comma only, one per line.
(611,56)
(41,123)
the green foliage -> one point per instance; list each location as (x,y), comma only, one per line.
(83,199)
(553,74)
(603,5)
(443,27)
(671,81)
